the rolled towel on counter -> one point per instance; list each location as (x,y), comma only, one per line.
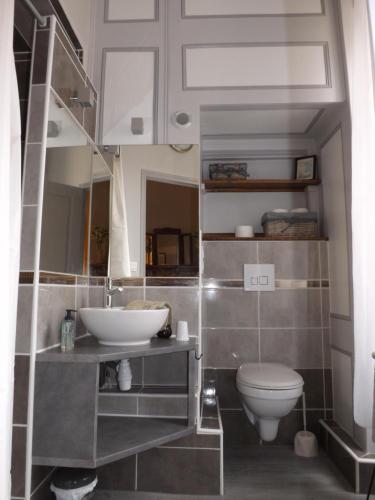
(141,305)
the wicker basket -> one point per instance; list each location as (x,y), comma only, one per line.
(286,228)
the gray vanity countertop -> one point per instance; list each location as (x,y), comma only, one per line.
(88,350)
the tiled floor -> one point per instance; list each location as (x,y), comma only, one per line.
(268,473)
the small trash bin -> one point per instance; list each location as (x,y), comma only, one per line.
(73,484)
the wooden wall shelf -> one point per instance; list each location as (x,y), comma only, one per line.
(259,237)
(260,185)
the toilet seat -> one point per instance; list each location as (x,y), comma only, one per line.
(268,376)
(269,394)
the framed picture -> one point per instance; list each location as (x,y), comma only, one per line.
(306,168)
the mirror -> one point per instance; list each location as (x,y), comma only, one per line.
(144,197)
(62,130)
(172,229)
(100,216)
(76,200)
(161,190)
(66,208)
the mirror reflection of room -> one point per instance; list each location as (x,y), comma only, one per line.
(161,210)
(66,207)
(100,228)
(171,229)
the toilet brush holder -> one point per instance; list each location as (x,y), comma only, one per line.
(305,444)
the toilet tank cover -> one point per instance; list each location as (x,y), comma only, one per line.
(268,376)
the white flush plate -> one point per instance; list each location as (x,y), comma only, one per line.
(259,277)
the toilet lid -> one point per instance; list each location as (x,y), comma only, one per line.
(268,376)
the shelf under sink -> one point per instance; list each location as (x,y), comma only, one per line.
(119,437)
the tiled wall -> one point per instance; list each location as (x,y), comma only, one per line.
(193,463)
(55,294)
(354,462)
(190,465)
(289,325)
(22,46)
(59,292)
(24,345)
(43,298)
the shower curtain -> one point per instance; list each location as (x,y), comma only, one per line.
(119,242)
(10,221)
(358,49)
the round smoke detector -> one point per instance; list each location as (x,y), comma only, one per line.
(181,119)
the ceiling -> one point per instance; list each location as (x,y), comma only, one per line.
(258,121)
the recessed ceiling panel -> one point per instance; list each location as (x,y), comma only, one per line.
(257,121)
(203,8)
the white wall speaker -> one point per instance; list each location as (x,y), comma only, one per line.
(181,119)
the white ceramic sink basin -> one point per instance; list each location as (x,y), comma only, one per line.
(118,326)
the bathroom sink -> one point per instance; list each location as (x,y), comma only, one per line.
(117,326)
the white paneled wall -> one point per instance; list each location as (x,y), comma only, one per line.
(130,10)
(80,16)
(335,222)
(128,92)
(251,7)
(244,66)
(224,211)
(275,53)
(335,171)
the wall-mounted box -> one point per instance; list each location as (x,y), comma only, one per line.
(259,277)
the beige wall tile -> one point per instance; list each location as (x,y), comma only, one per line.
(230,308)
(290,308)
(220,344)
(295,348)
(225,259)
(292,259)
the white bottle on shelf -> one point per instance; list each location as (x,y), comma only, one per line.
(124,375)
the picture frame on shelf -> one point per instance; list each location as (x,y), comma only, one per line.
(306,168)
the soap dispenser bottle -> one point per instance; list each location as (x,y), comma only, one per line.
(67,331)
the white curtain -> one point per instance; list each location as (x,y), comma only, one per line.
(10,219)
(119,249)
(358,48)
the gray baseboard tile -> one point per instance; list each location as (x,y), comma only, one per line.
(193,464)
(354,463)
(118,476)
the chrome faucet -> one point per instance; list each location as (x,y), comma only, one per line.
(110,291)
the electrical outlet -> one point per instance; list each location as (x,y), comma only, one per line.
(134,267)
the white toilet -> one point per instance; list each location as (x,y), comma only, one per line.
(269,391)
